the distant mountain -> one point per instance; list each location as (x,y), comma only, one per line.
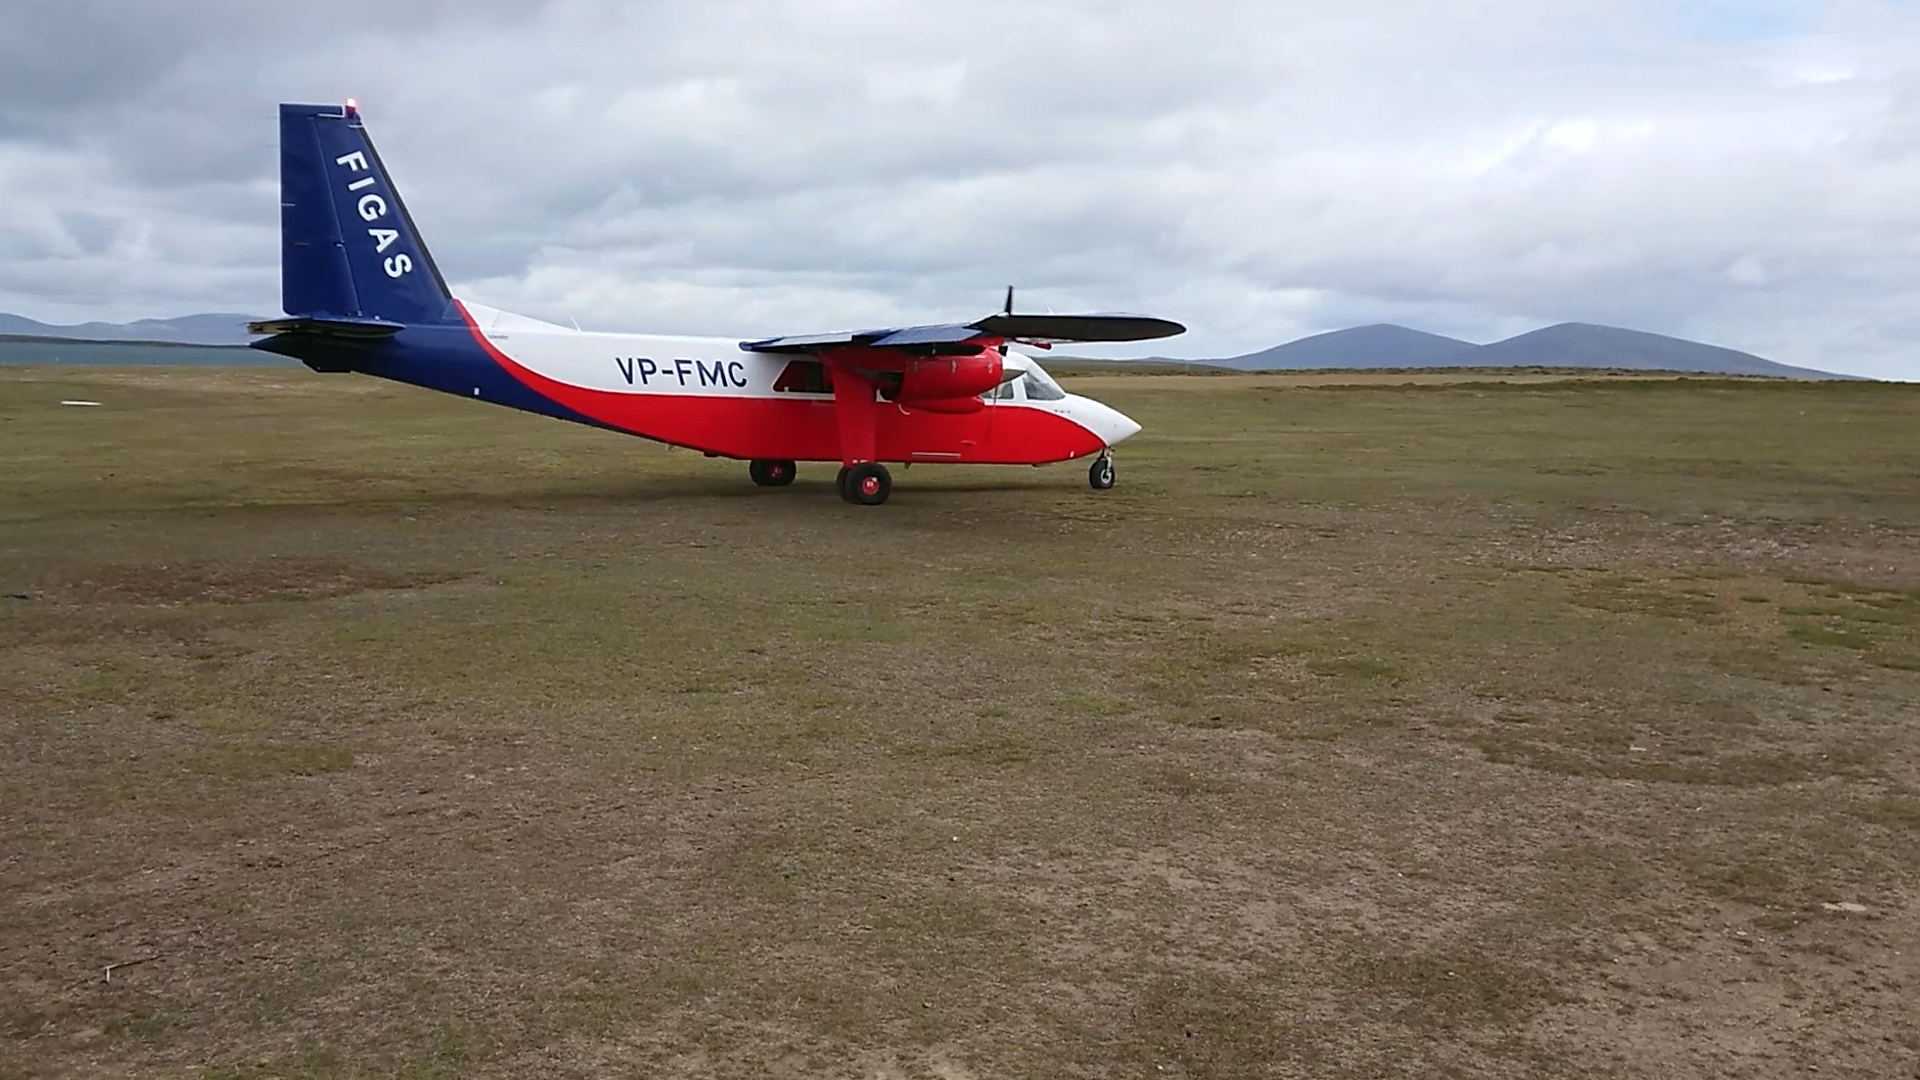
(218,328)
(16,349)
(1383,345)
(1586,345)
(1568,345)
(1377,346)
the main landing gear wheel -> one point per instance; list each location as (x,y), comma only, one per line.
(771,472)
(867,484)
(840,482)
(1100,476)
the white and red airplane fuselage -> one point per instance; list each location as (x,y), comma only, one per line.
(363,295)
(709,394)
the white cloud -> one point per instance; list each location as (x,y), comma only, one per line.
(1259,170)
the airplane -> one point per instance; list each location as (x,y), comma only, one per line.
(362,294)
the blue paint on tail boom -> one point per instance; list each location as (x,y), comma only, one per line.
(444,357)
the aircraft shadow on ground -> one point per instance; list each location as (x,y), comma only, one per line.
(806,490)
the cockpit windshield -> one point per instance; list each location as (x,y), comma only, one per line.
(1039,385)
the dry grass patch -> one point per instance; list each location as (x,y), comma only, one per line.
(1394,730)
(256,761)
(292,577)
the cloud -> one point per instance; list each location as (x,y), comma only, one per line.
(1736,172)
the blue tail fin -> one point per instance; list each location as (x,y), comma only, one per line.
(351,251)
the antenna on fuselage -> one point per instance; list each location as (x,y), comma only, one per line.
(1009,308)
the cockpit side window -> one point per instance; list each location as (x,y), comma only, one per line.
(1039,387)
(1003,392)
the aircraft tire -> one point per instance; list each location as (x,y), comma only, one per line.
(867,484)
(771,472)
(840,482)
(1100,476)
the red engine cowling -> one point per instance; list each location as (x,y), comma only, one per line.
(949,384)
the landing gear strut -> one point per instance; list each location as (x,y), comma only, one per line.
(771,472)
(866,484)
(1100,476)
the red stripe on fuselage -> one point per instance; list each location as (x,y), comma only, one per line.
(803,428)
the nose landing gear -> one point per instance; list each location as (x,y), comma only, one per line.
(1100,476)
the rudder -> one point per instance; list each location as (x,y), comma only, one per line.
(350,249)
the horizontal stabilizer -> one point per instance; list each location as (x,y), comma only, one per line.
(364,329)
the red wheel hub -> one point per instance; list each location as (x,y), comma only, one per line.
(869,485)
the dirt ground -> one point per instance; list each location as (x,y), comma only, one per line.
(1469,729)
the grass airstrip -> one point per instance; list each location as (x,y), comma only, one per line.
(1370,726)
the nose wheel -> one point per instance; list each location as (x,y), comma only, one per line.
(866,484)
(771,473)
(1100,476)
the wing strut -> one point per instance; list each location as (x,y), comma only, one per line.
(854,410)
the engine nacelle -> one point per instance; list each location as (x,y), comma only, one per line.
(949,384)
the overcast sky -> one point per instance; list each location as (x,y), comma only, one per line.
(1744,172)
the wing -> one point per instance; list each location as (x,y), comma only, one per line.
(909,337)
(1070,328)
(992,330)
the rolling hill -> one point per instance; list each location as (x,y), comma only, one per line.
(214,328)
(1586,345)
(1568,345)
(1377,346)
(1383,345)
(22,349)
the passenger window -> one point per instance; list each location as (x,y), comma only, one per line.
(804,377)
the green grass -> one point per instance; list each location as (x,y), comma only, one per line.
(1458,728)
(255,761)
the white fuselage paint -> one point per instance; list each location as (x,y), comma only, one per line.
(711,367)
